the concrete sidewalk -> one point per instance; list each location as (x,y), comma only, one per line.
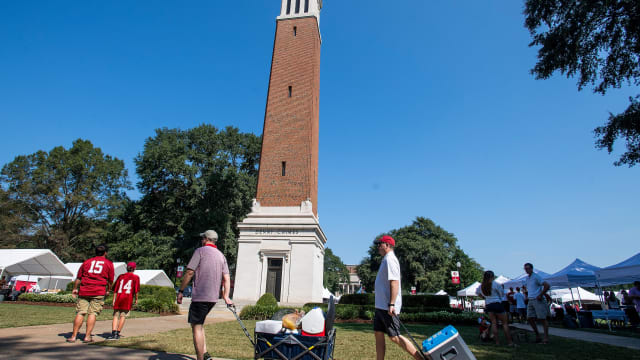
(622,341)
(49,341)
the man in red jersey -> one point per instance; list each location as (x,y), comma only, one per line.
(94,279)
(127,287)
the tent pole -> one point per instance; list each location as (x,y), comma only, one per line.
(579,297)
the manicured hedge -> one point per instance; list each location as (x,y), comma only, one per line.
(363,310)
(408,301)
(152,298)
(52,298)
(358,299)
(156,305)
(442,317)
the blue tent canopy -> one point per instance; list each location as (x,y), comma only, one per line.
(578,273)
(624,272)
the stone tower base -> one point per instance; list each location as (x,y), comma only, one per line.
(281,251)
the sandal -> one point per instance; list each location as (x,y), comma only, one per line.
(71,340)
(88,341)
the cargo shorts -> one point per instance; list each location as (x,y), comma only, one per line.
(121,313)
(538,309)
(91,305)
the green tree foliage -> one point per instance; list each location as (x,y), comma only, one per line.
(63,196)
(427,255)
(190,180)
(335,272)
(15,223)
(599,42)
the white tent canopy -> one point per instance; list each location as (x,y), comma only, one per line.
(501,279)
(154,277)
(625,272)
(579,294)
(442,292)
(32,262)
(469,290)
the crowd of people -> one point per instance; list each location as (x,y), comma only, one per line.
(533,303)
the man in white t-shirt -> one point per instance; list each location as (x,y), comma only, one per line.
(537,307)
(389,301)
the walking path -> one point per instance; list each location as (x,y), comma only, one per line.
(628,342)
(47,342)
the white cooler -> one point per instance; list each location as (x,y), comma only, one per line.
(447,344)
(269,326)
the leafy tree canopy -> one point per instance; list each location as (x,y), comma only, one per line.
(60,199)
(599,42)
(427,254)
(191,180)
(335,272)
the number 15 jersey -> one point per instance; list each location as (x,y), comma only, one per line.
(126,286)
(95,275)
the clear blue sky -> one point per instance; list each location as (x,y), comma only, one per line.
(427,109)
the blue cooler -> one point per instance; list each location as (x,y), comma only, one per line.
(447,344)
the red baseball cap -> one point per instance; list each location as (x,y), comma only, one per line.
(131,264)
(386,239)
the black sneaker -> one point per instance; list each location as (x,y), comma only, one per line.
(114,337)
(207,356)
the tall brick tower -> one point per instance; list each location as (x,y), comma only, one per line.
(281,244)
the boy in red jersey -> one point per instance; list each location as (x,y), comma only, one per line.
(124,290)
(94,279)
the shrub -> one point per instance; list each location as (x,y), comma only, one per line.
(159,292)
(358,299)
(156,305)
(433,301)
(267,300)
(260,312)
(53,298)
(70,286)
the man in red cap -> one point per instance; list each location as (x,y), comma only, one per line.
(388,301)
(127,287)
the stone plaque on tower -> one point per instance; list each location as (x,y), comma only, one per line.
(281,244)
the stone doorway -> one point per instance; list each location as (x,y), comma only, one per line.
(274,277)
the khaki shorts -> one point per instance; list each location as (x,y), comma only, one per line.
(91,305)
(537,309)
(121,313)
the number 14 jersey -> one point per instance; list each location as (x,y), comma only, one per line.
(126,286)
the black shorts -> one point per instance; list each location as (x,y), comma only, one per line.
(198,311)
(385,323)
(495,308)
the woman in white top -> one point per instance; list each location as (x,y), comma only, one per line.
(492,294)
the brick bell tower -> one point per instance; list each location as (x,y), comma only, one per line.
(281,244)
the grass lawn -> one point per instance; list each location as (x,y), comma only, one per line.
(14,315)
(356,341)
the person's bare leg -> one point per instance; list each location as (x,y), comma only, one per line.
(545,325)
(114,323)
(534,326)
(91,322)
(407,346)
(380,345)
(494,327)
(199,342)
(77,323)
(505,327)
(121,323)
